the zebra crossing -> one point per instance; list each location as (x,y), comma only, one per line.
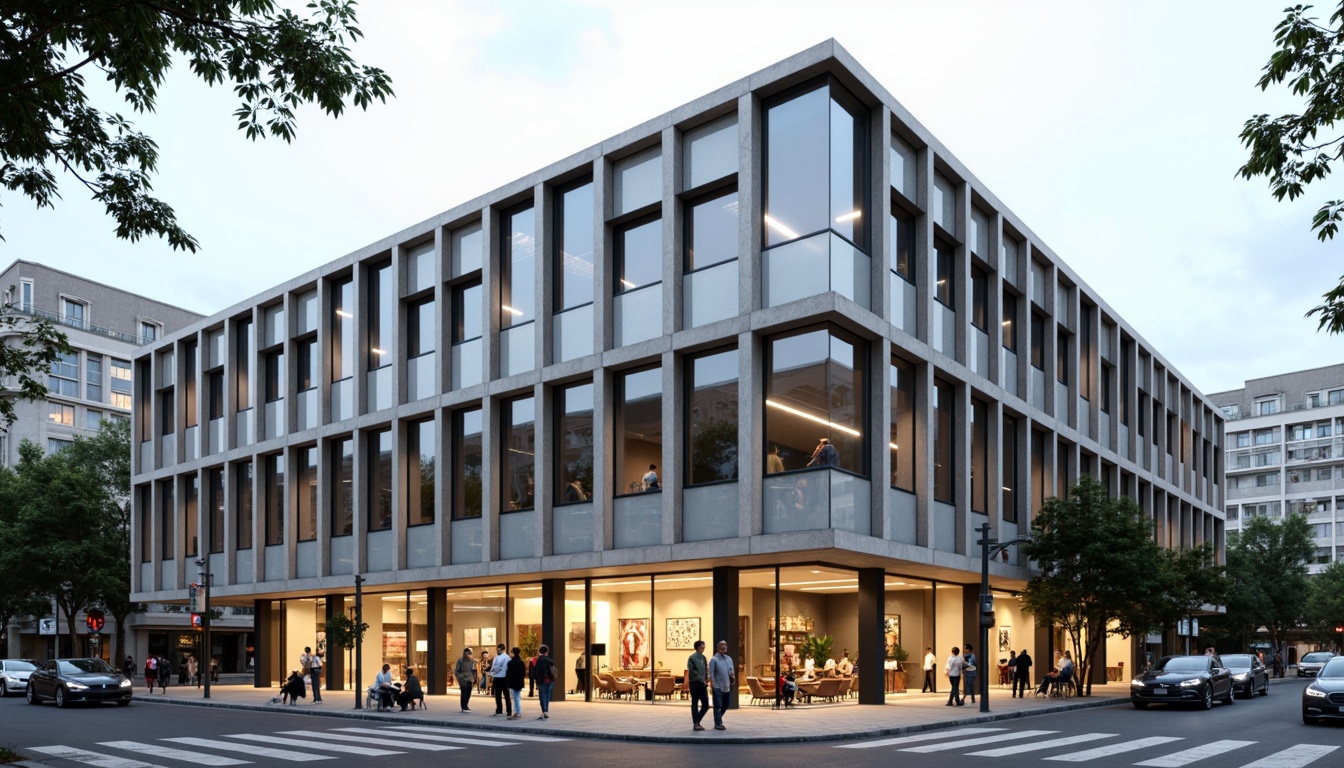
(1002,742)
(293,746)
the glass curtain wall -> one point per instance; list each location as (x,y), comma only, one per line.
(380,480)
(468,309)
(467,461)
(342,348)
(574,274)
(518,459)
(711,223)
(518,299)
(421,456)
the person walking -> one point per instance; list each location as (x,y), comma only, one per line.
(515,674)
(1022,674)
(165,672)
(544,672)
(968,674)
(1011,667)
(499,682)
(151,672)
(953,669)
(128,668)
(697,679)
(930,664)
(465,673)
(722,676)
(194,671)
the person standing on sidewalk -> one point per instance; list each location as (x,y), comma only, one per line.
(723,676)
(151,672)
(697,678)
(315,674)
(1022,674)
(955,665)
(515,675)
(465,673)
(930,663)
(544,672)
(968,674)
(499,682)
(194,671)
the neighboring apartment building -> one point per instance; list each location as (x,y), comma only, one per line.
(1285,453)
(105,327)
(753,370)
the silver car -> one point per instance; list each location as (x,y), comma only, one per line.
(14,675)
(1311,664)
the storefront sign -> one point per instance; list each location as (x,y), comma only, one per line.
(46,627)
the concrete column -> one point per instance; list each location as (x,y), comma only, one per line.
(872,605)
(749,163)
(726,597)
(262,627)
(554,632)
(333,663)
(436,621)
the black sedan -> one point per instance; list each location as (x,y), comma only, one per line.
(1248,674)
(70,680)
(1323,698)
(1183,680)
(1311,664)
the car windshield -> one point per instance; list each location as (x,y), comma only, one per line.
(20,666)
(1184,664)
(1318,657)
(1334,668)
(82,666)
(1237,661)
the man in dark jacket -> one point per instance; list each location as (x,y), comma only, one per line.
(1022,674)
(411,691)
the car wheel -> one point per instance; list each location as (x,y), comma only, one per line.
(1207,703)
(1137,704)
(31,695)
(4,689)
(1230,695)
(61,702)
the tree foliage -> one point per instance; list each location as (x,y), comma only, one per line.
(31,345)
(274,59)
(1294,150)
(1325,605)
(1267,576)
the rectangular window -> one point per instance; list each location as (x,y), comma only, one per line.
(273,329)
(343,487)
(381,305)
(149,333)
(467,318)
(1039,491)
(637,181)
(710,152)
(167,521)
(307,522)
(979,457)
(121,384)
(468,250)
(214,383)
(56,445)
(189,516)
(1009,321)
(93,377)
(520,269)
(146,519)
(467,460)
(902,245)
(167,412)
(59,413)
(711,231)
(1267,407)
(215,527)
(903,167)
(73,313)
(518,456)
(419,267)
(902,393)
(274,385)
(93,420)
(422,454)
(380,480)
(1107,388)
(639,255)
(711,417)
(1010,469)
(1126,379)
(1062,355)
(275,498)
(574,444)
(342,329)
(573,239)
(1037,341)
(420,328)
(308,363)
(243,362)
(944,274)
(979,298)
(1085,352)
(26,295)
(815,400)
(189,384)
(242,478)
(944,409)
(64,378)
(639,431)
(305,313)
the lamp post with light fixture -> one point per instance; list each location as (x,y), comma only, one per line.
(988,548)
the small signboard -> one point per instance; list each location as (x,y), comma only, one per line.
(46,627)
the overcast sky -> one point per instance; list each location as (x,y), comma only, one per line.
(1109,128)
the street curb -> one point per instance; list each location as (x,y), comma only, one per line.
(710,737)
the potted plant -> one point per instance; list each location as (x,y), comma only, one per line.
(896,656)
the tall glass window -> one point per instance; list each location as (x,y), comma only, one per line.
(342,329)
(520,269)
(275,498)
(944,438)
(380,480)
(639,432)
(381,305)
(639,255)
(710,152)
(574,247)
(468,250)
(244,360)
(308,363)
(944,274)
(574,447)
(420,328)
(1009,321)
(814,398)
(1062,355)
(214,479)
(421,454)
(518,460)
(979,456)
(190,516)
(711,417)
(242,507)
(467,461)
(307,522)
(1008,452)
(902,392)
(343,487)
(168,521)
(274,384)
(901,232)
(979,298)
(93,377)
(64,377)
(711,231)
(1037,341)
(145,518)
(121,383)
(467,311)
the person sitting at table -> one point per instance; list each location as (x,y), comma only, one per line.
(383,686)
(845,667)
(410,690)
(829,669)
(788,689)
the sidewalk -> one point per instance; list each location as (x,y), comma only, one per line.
(666,721)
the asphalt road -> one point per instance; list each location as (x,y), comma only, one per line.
(1266,732)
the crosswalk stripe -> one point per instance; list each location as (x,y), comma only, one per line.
(251,749)
(367,740)
(1035,746)
(1010,736)
(158,750)
(460,732)
(1293,757)
(477,742)
(92,758)
(1114,749)
(348,749)
(1203,751)
(918,737)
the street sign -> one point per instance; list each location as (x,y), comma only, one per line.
(192,590)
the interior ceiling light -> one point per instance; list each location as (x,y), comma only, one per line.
(810,417)
(627,283)
(343,313)
(780,228)
(852,215)
(377,351)
(511,310)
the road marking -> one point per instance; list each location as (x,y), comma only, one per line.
(1010,736)
(1185,757)
(918,737)
(348,749)
(1018,749)
(251,749)
(477,741)
(1114,749)
(92,758)
(158,750)
(366,740)
(1293,757)
(460,732)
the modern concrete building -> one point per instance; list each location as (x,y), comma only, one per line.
(753,370)
(1285,453)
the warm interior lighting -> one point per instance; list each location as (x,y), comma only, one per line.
(343,313)
(1007,322)
(780,228)
(852,215)
(810,417)
(893,446)
(377,351)
(627,283)
(511,310)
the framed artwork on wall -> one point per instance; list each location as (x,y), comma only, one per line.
(891,633)
(634,643)
(488,636)
(682,633)
(1005,639)
(471,637)
(576,637)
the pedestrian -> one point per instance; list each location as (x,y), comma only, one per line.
(193,671)
(151,671)
(515,674)
(930,664)
(411,692)
(465,673)
(499,682)
(544,672)
(182,678)
(697,678)
(1011,666)
(165,672)
(1022,674)
(824,455)
(214,669)
(723,677)
(953,669)
(128,667)
(311,664)
(968,674)
(532,677)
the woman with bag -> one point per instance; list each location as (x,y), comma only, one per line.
(465,672)
(543,671)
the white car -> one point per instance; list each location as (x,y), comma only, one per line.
(14,675)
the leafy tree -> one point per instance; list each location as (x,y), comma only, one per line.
(16,595)
(38,345)
(1192,581)
(1267,575)
(1325,604)
(107,456)
(275,60)
(1102,572)
(1289,150)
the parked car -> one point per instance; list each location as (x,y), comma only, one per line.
(1183,680)
(1324,697)
(69,680)
(1310,665)
(1248,674)
(14,675)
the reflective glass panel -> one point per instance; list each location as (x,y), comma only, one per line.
(468,246)
(711,418)
(902,444)
(574,247)
(814,402)
(467,460)
(639,253)
(711,231)
(574,449)
(518,458)
(639,432)
(307,458)
(421,453)
(343,487)
(520,269)
(380,480)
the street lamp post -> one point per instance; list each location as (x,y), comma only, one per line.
(988,549)
(359,640)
